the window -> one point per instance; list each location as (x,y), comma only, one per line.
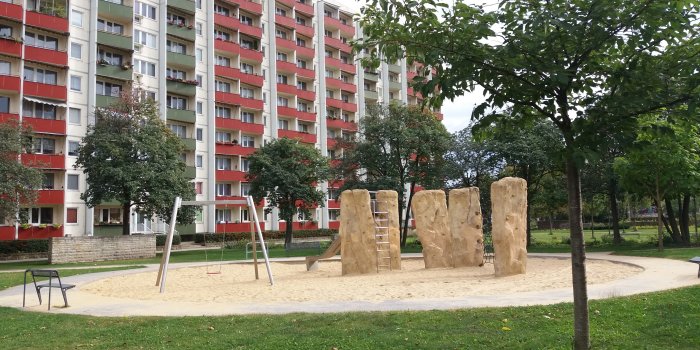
(224,137)
(198,188)
(223,215)
(176,19)
(301,21)
(223,189)
(110,58)
(218,9)
(198,161)
(328,33)
(5,68)
(244,215)
(175,74)
(111,216)
(223,163)
(5,31)
(283,124)
(301,85)
(281,34)
(200,107)
(175,47)
(223,86)
(198,4)
(40,40)
(245,189)
(76,18)
(281,56)
(249,44)
(40,215)
(330,93)
(301,42)
(144,10)
(38,110)
(47,181)
(198,53)
(301,64)
(333,214)
(75,83)
(245,164)
(198,28)
(281,79)
(281,12)
(246,20)
(178,130)
(144,38)
(329,73)
(110,27)
(4,104)
(329,53)
(199,134)
(44,146)
(175,102)
(145,67)
(72,182)
(222,112)
(246,68)
(248,141)
(73,148)
(224,61)
(247,93)
(282,101)
(108,89)
(76,51)
(71,215)
(247,117)
(302,107)
(39,75)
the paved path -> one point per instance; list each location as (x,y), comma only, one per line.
(659,274)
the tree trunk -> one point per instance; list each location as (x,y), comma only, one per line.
(615,217)
(288,231)
(684,217)
(675,233)
(659,213)
(528,234)
(404,230)
(578,256)
(551,224)
(126,219)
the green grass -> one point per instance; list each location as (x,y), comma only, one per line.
(669,253)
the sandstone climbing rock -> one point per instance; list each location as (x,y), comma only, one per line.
(508,213)
(466,226)
(388,201)
(432,225)
(358,250)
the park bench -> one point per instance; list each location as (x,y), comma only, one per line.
(307,245)
(53,282)
(697,261)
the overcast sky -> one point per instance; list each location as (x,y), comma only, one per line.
(457,113)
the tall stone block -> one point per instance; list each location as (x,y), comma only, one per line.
(430,212)
(466,226)
(357,250)
(509,213)
(388,201)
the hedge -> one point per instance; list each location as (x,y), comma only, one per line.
(245,236)
(24,246)
(160,240)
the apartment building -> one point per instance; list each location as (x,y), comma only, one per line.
(228,75)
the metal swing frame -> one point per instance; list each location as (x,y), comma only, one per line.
(163,270)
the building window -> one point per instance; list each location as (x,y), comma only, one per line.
(245,189)
(176,102)
(40,215)
(47,181)
(281,12)
(75,83)
(246,20)
(76,51)
(198,188)
(38,110)
(245,164)
(282,101)
(283,124)
(245,217)
(199,134)
(248,141)
(71,215)
(72,182)
(76,18)
(223,163)
(247,93)
(73,148)
(110,27)
(247,117)
(198,28)
(223,215)
(145,10)
(222,112)
(281,56)
(145,67)
(39,75)
(200,107)
(176,47)
(198,161)
(43,146)
(198,4)
(179,130)
(108,89)
(198,53)
(223,137)
(144,38)
(246,68)
(223,189)
(4,104)
(40,40)
(176,74)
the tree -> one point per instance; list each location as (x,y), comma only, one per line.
(398,146)
(131,156)
(18,183)
(556,57)
(286,173)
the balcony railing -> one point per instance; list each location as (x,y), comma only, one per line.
(46,126)
(53,92)
(302,136)
(11,11)
(54,20)
(10,46)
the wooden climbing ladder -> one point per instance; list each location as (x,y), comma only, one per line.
(381,233)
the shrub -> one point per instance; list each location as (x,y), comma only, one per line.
(245,236)
(28,246)
(160,240)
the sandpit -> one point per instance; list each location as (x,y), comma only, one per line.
(236,284)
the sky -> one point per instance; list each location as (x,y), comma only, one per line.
(456,113)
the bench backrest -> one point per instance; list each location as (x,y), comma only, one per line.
(44,273)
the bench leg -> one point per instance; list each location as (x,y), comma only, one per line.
(38,294)
(65,299)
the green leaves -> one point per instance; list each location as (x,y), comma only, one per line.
(18,183)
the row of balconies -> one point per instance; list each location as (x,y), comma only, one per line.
(231,47)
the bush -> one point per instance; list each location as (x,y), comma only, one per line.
(28,246)
(654,240)
(605,226)
(160,240)
(245,236)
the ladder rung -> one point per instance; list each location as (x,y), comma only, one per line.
(382,242)
(381,212)
(383,250)
(381,227)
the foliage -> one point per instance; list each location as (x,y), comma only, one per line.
(24,246)
(245,236)
(131,156)
(286,173)
(398,146)
(18,183)
(160,240)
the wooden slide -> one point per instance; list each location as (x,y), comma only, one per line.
(333,249)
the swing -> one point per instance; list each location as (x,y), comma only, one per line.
(223,246)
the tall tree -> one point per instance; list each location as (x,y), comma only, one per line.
(556,57)
(398,147)
(131,156)
(18,183)
(286,173)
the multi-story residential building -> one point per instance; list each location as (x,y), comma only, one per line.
(228,75)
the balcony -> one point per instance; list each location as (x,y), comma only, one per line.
(285,21)
(44,161)
(46,126)
(51,57)
(338,44)
(249,6)
(10,46)
(289,3)
(47,22)
(250,54)
(252,103)
(182,31)
(341,124)
(234,149)
(190,172)
(237,100)
(180,60)
(52,92)
(230,175)
(181,88)
(306,73)
(115,72)
(347,29)
(304,8)
(226,21)
(345,67)
(50,197)
(236,124)
(5,117)
(333,102)
(346,106)
(190,144)
(373,77)
(306,116)
(286,66)
(251,30)
(394,68)
(236,227)
(339,84)
(304,225)
(105,101)
(394,86)
(331,143)
(183,5)
(9,83)
(287,112)
(11,11)
(181,115)
(304,30)
(118,41)
(306,94)
(372,95)
(297,135)
(227,46)
(308,52)
(233,73)
(118,12)
(287,89)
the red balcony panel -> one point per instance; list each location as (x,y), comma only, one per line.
(333,204)
(287,44)
(302,136)
(47,22)
(252,79)
(46,126)
(306,116)
(306,9)
(348,30)
(35,232)
(226,21)
(253,55)
(306,73)
(287,112)
(285,21)
(250,30)
(10,47)
(338,44)
(230,175)
(252,103)
(304,30)
(286,66)
(11,11)
(227,72)
(50,197)
(305,51)
(236,124)
(227,46)
(52,57)
(250,6)
(9,82)
(287,89)
(289,3)
(234,150)
(331,143)
(410,75)
(332,102)
(304,225)
(341,124)
(228,98)
(306,94)
(7,233)
(53,92)
(345,67)
(4,117)
(237,227)
(349,106)
(44,161)
(334,225)
(339,84)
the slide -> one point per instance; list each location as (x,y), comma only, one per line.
(333,249)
